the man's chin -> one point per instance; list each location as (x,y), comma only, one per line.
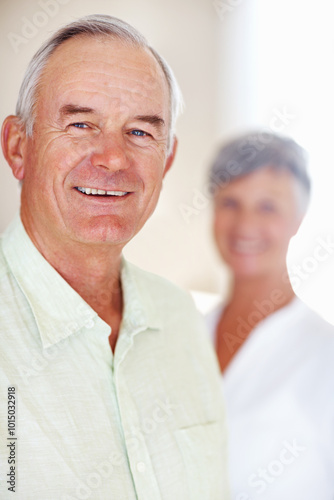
(102,234)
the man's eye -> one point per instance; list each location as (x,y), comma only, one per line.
(139,133)
(79,125)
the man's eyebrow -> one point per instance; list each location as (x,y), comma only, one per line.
(154,120)
(72,109)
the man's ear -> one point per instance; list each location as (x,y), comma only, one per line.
(170,159)
(13,138)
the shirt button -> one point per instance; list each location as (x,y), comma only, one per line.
(141,467)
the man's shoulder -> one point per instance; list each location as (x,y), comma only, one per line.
(3,263)
(156,285)
(165,300)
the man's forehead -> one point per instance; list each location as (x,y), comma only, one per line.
(103,54)
(99,65)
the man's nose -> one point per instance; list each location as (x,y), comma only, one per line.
(110,153)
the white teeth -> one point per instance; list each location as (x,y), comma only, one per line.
(101,191)
(117,193)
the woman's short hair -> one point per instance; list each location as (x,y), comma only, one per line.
(256,150)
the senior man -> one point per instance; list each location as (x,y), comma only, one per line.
(112,389)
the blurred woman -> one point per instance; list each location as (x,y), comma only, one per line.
(276,355)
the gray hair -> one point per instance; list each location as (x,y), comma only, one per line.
(93,25)
(256,150)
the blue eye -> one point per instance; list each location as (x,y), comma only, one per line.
(79,125)
(139,133)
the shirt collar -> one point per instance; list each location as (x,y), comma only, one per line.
(58,309)
(139,309)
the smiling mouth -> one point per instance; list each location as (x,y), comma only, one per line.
(100,192)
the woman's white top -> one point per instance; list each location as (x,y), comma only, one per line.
(279,392)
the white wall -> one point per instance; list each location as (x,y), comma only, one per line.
(276,71)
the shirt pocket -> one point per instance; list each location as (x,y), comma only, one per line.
(203,452)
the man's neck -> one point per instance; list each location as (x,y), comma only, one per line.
(93,271)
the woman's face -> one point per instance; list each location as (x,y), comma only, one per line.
(254,218)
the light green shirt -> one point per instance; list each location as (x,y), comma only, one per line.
(145,423)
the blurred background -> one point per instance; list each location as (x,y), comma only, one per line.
(241,64)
